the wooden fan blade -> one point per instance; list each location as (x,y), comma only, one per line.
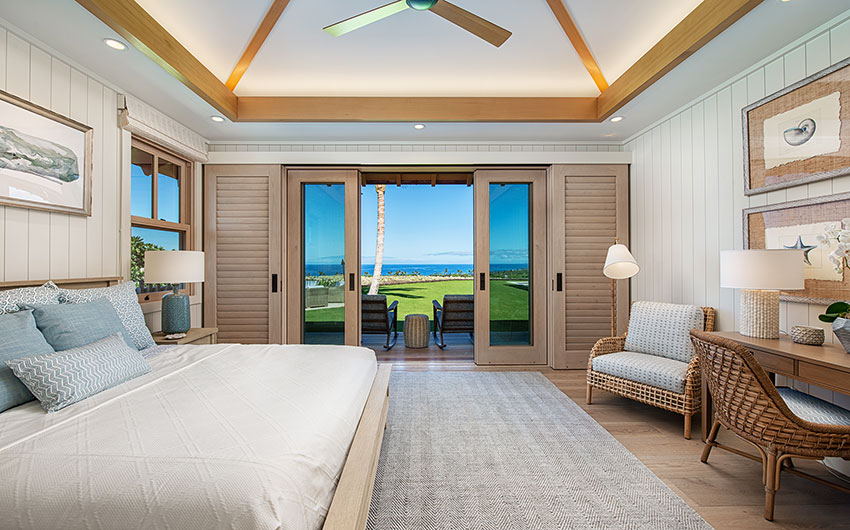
(363,19)
(471,23)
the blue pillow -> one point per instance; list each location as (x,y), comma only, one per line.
(62,378)
(18,338)
(67,326)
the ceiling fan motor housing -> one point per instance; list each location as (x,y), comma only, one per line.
(421,5)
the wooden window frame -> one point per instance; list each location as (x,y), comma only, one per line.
(184,227)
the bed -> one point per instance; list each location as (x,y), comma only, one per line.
(218,436)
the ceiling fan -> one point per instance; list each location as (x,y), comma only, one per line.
(454,14)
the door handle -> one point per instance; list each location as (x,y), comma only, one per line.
(274,283)
(350,281)
(482,283)
(560,281)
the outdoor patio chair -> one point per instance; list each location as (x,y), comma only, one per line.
(456,315)
(377,318)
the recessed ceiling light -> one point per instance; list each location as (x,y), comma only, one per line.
(615,119)
(115,44)
(419,126)
(217,119)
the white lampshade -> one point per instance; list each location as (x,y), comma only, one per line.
(620,264)
(174,266)
(780,270)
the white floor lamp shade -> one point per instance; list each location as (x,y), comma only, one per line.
(619,265)
(761,274)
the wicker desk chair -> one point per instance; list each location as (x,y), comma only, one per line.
(456,315)
(748,404)
(377,318)
(687,401)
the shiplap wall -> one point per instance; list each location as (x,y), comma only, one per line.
(687,186)
(38,245)
(577,147)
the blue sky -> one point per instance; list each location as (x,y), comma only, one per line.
(424,224)
(168,205)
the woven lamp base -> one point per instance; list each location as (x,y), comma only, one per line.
(760,314)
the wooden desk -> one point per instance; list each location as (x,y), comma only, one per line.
(826,366)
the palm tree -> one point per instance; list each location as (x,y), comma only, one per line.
(379,247)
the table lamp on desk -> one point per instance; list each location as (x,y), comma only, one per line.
(760,275)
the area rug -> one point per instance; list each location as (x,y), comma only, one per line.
(509,451)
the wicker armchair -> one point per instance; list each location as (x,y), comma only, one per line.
(747,403)
(686,403)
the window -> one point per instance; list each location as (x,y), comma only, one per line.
(160,193)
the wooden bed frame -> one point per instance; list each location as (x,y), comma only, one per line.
(349,508)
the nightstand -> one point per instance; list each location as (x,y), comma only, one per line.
(193,336)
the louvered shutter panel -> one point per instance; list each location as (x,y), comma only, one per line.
(244,237)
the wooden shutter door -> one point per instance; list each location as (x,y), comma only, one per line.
(242,243)
(590,205)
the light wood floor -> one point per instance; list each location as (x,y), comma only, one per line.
(727,491)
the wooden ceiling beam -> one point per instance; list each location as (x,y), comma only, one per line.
(569,26)
(411,109)
(705,22)
(257,41)
(131,21)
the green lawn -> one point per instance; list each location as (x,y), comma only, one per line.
(508,302)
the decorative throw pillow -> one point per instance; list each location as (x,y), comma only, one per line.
(18,338)
(43,295)
(62,378)
(124,299)
(67,326)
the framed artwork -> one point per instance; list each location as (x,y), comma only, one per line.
(797,224)
(45,159)
(800,134)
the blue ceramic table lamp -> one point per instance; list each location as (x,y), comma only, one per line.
(174,267)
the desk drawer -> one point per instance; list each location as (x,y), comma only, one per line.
(825,377)
(774,363)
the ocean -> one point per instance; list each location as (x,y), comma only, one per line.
(424,269)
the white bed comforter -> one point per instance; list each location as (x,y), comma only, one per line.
(220,436)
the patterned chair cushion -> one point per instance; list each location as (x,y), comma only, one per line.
(814,409)
(62,378)
(44,294)
(124,299)
(67,326)
(663,329)
(18,338)
(653,370)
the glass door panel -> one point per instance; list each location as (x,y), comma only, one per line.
(323,256)
(323,282)
(510,246)
(510,264)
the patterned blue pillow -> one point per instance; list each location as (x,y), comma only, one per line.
(62,378)
(67,326)
(18,338)
(42,295)
(124,299)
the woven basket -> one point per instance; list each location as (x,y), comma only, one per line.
(807,335)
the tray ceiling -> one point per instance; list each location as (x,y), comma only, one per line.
(417,53)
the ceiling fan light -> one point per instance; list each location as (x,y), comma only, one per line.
(421,5)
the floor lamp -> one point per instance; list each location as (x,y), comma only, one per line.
(619,265)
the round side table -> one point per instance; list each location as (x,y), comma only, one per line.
(417,331)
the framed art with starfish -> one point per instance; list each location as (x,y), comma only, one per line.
(798,224)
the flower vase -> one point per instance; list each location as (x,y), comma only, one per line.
(841,328)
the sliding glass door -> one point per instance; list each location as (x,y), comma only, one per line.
(323,257)
(510,240)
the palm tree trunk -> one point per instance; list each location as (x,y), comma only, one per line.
(379,247)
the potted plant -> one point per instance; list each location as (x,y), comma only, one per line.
(837,313)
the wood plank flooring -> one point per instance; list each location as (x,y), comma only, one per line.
(727,491)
